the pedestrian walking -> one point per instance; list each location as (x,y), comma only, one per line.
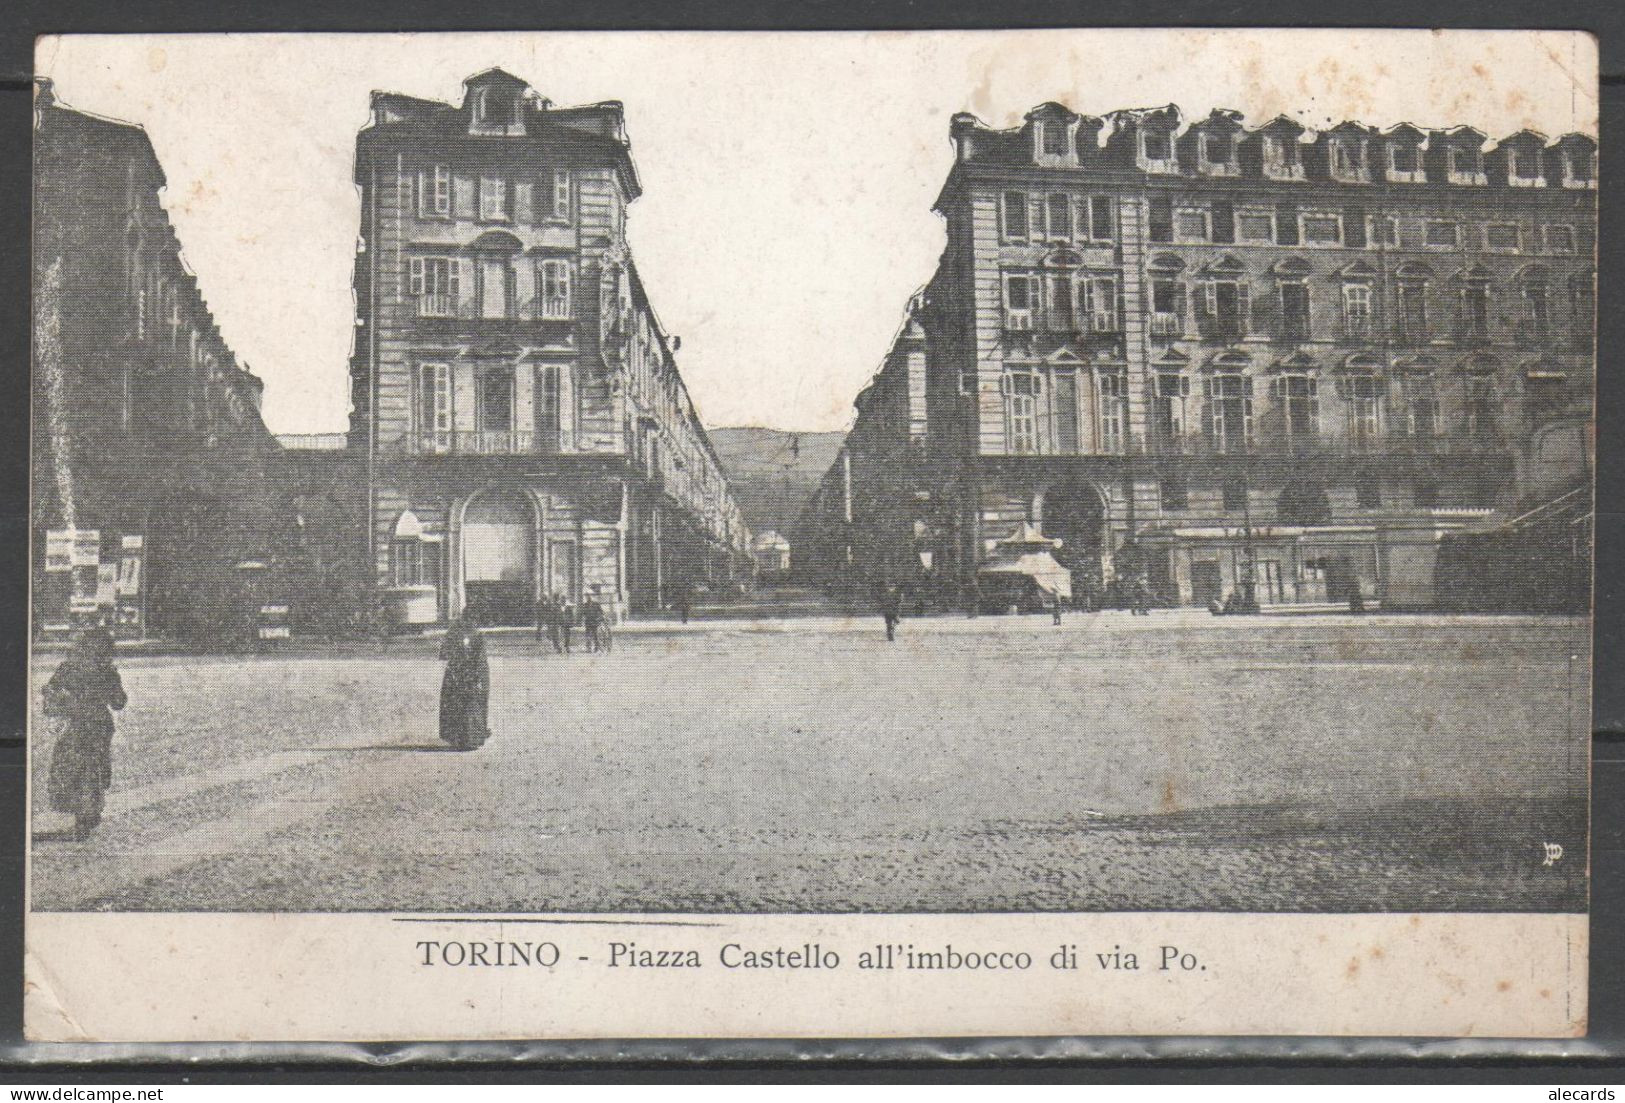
(465,691)
(1055,605)
(592,622)
(543,616)
(684,600)
(79,700)
(973,597)
(891,609)
(567,620)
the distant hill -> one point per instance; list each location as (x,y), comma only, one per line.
(773,473)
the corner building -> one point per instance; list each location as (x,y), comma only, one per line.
(525,428)
(1229,356)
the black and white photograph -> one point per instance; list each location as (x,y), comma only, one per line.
(675,478)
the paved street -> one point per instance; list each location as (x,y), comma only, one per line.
(1177,761)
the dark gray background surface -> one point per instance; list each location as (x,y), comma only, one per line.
(1116,1059)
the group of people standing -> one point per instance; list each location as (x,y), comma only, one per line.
(556,618)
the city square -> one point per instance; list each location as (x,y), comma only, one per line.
(1180,761)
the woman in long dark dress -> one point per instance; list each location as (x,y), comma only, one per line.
(465,691)
(80,696)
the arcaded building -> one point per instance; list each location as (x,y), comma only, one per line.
(149,491)
(1230,357)
(517,401)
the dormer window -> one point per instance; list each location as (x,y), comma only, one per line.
(1525,165)
(1157,145)
(1466,166)
(496,109)
(1403,158)
(1579,168)
(1052,138)
(1281,157)
(1348,159)
(1217,148)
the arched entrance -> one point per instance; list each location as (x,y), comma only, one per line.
(498,554)
(1074,513)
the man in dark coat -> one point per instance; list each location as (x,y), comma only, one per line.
(465,691)
(78,699)
(891,609)
(592,621)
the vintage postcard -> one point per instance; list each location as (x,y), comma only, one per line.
(575,535)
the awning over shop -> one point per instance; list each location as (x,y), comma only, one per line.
(1029,552)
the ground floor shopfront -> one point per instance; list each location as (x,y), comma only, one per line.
(1198,531)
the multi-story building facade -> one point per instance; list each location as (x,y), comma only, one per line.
(149,454)
(1235,358)
(524,424)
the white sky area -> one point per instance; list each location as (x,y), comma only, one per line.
(788,177)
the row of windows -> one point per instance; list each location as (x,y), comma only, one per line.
(1063,217)
(1226,307)
(1372,408)
(490,197)
(495,398)
(488,287)
(1296,505)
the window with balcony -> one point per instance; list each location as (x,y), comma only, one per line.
(1020,291)
(1294,296)
(1501,237)
(1113,404)
(549,407)
(1065,396)
(553,290)
(1441,234)
(1473,313)
(1363,392)
(1014,208)
(1060,315)
(1478,407)
(434,407)
(1421,401)
(1411,317)
(1168,410)
(1537,304)
(1229,412)
(1021,410)
(1357,315)
(493,408)
(1099,303)
(1321,229)
(1167,306)
(1298,400)
(1191,225)
(1559,239)
(496,288)
(1255,227)
(1226,309)
(436,284)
